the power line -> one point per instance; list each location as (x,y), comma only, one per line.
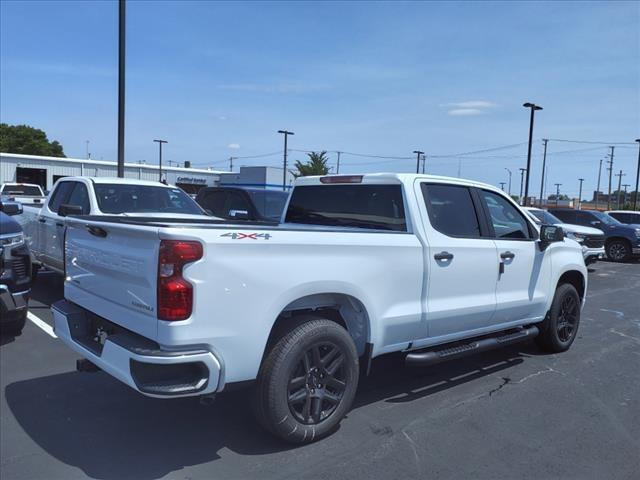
(588,141)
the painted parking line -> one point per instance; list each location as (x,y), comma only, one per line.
(42,324)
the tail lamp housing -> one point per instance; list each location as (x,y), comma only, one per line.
(175,294)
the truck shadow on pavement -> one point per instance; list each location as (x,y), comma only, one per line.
(97,424)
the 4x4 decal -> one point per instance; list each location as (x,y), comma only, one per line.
(252,236)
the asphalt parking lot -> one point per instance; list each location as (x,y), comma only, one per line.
(512,413)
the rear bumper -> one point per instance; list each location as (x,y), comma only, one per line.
(12,304)
(135,360)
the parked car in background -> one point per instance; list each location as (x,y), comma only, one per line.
(590,239)
(625,216)
(23,192)
(44,227)
(363,265)
(238,203)
(15,273)
(622,242)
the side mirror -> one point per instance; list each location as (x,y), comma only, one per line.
(66,210)
(550,234)
(239,214)
(11,208)
(596,223)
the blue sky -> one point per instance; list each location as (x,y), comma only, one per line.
(219,79)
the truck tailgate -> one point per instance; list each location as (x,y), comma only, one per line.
(112,270)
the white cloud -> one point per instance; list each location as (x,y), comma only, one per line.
(234,146)
(477,104)
(465,112)
(222,117)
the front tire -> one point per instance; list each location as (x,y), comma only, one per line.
(559,329)
(14,327)
(307,381)
(619,250)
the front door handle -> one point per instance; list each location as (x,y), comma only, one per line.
(507,255)
(443,256)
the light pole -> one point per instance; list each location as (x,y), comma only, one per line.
(160,142)
(635,198)
(533,108)
(610,162)
(418,153)
(580,194)
(544,163)
(509,179)
(286,133)
(122,7)
(502,184)
(522,170)
(619,175)
(338,164)
(598,187)
(557,192)
(88,155)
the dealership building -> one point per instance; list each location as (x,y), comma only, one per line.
(45,171)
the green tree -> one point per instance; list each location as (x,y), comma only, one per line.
(28,141)
(316,165)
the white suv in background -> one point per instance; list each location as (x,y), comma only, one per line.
(591,239)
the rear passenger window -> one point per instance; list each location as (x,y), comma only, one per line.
(451,210)
(376,207)
(508,222)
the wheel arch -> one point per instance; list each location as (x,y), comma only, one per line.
(575,278)
(342,308)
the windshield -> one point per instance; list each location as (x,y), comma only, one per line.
(32,191)
(544,217)
(606,219)
(269,204)
(115,198)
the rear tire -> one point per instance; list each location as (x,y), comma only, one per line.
(619,250)
(559,329)
(307,381)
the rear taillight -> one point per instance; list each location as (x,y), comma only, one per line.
(175,294)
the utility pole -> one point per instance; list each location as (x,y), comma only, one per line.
(418,153)
(619,175)
(637,193)
(598,187)
(522,170)
(231,159)
(580,194)
(88,155)
(557,192)
(286,133)
(122,8)
(502,184)
(160,142)
(509,180)
(544,163)
(338,164)
(533,108)
(424,165)
(459,167)
(610,162)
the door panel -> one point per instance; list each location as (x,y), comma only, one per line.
(462,265)
(52,226)
(523,281)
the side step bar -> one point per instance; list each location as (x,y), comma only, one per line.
(460,350)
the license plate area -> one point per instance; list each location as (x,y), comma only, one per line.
(91,331)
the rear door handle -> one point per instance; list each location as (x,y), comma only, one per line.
(443,256)
(42,220)
(507,255)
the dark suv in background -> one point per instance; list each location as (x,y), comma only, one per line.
(622,242)
(239,203)
(15,272)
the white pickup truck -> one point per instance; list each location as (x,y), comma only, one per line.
(361,266)
(23,192)
(44,226)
